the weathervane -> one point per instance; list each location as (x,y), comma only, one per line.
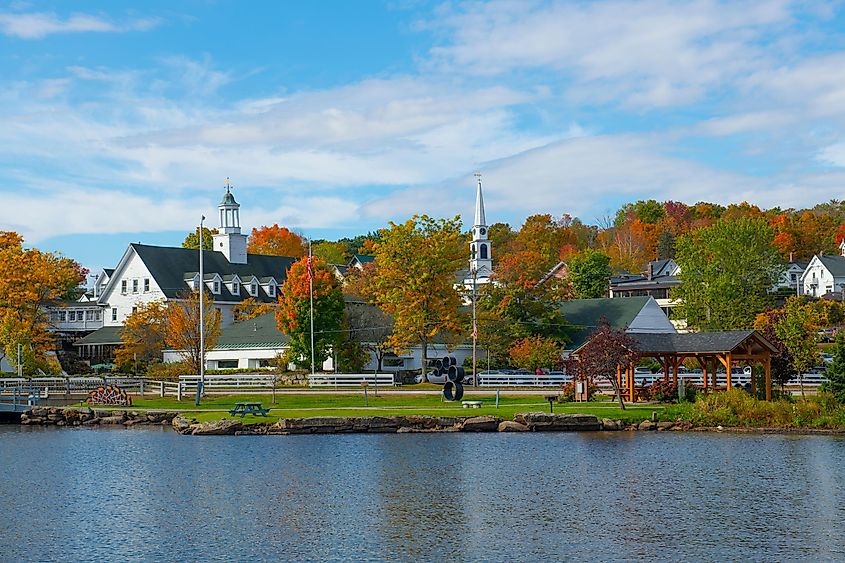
(228,184)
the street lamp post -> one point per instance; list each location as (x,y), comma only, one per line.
(202,318)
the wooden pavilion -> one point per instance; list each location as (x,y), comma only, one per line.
(710,349)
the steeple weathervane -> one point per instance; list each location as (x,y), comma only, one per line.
(481,253)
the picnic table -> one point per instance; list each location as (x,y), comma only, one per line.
(244,409)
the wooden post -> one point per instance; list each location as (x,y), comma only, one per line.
(665,362)
(619,376)
(769,378)
(675,361)
(704,373)
(631,384)
(728,371)
(753,383)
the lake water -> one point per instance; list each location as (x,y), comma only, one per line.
(140,494)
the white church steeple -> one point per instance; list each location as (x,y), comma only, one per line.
(481,252)
(229,239)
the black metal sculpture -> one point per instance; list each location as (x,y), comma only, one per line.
(447,369)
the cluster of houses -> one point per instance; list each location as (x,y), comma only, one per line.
(91,327)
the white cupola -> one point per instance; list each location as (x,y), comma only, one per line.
(229,239)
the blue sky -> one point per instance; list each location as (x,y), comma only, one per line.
(120,123)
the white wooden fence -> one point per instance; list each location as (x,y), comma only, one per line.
(498,379)
(351,379)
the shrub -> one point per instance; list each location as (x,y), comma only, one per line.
(168,371)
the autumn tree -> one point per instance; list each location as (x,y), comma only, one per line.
(835,371)
(29,281)
(293,315)
(193,239)
(276,241)
(535,352)
(143,336)
(331,252)
(416,262)
(782,369)
(606,351)
(589,274)
(182,321)
(798,328)
(727,272)
(250,308)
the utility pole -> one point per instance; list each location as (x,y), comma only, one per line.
(202,318)
(311,300)
(474,330)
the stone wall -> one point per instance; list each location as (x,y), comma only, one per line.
(55,416)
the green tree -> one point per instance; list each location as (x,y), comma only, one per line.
(727,271)
(331,252)
(415,282)
(835,371)
(589,272)
(648,211)
(798,330)
(293,316)
(193,239)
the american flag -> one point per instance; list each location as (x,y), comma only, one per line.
(474,332)
(310,271)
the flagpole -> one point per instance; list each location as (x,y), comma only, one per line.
(202,317)
(311,300)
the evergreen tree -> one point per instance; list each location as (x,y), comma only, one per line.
(835,371)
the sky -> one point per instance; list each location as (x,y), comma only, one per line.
(120,122)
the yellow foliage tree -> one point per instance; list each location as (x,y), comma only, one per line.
(143,336)
(183,327)
(415,282)
(29,281)
(250,308)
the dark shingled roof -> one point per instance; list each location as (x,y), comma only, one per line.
(362,258)
(103,335)
(691,342)
(835,264)
(168,266)
(584,314)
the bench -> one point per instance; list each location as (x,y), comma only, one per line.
(244,409)
(471,404)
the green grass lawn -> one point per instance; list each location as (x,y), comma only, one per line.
(352,404)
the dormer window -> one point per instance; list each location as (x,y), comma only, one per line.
(196,284)
(236,288)
(215,287)
(271,289)
(253,289)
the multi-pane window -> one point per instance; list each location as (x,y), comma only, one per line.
(236,288)
(134,286)
(253,289)
(271,290)
(114,313)
(62,316)
(146,285)
(123,286)
(216,287)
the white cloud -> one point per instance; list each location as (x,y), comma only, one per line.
(649,53)
(36,25)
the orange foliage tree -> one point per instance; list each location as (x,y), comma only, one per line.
(276,241)
(250,308)
(29,281)
(535,352)
(182,321)
(293,315)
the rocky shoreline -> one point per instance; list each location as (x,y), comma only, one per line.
(522,422)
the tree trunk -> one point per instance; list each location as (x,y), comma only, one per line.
(801,381)
(618,392)
(424,369)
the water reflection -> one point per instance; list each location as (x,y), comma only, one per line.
(153,495)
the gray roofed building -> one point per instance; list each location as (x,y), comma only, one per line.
(823,275)
(634,314)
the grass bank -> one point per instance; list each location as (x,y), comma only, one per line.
(352,404)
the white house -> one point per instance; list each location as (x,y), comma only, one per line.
(156,273)
(824,274)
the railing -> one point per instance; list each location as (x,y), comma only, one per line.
(65,385)
(350,379)
(498,379)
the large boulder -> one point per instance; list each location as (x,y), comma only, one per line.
(481,424)
(647,425)
(315,425)
(223,427)
(540,421)
(112,420)
(512,426)
(181,424)
(375,424)
(608,424)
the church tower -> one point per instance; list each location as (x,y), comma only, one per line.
(229,239)
(480,250)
